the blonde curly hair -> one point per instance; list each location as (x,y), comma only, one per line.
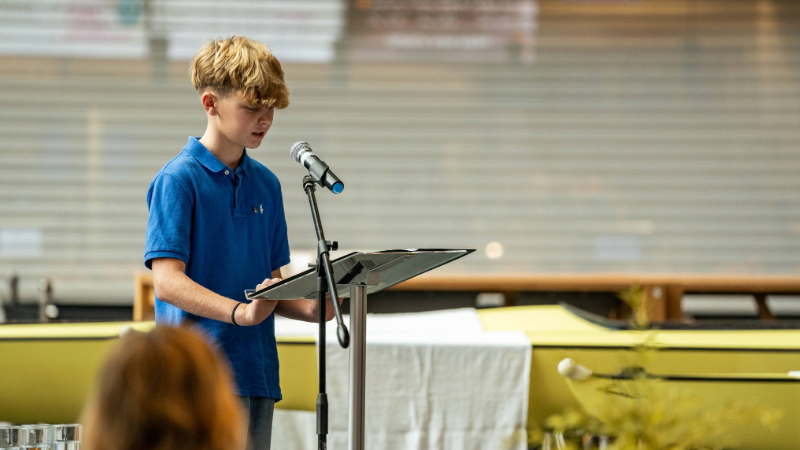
(240,65)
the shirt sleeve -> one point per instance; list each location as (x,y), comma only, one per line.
(169,225)
(280,240)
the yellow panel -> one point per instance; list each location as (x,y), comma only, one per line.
(298,372)
(750,339)
(548,392)
(51,380)
(529,318)
(556,334)
(596,397)
(554,325)
(69,330)
(55,364)
(51,368)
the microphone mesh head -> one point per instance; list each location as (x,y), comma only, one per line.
(298,149)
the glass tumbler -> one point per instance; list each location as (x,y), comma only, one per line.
(67,436)
(34,436)
(9,437)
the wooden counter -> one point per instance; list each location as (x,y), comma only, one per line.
(665,291)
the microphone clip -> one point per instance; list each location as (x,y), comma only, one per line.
(308,183)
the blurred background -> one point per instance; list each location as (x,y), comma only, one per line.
(554,136)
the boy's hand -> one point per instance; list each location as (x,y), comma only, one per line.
(256,311)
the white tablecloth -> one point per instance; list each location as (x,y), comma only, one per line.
(433,381)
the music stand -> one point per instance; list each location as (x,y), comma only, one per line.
(364,273)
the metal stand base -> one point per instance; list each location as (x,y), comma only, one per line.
(358,356)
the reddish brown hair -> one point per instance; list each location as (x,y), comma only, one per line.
(163,390)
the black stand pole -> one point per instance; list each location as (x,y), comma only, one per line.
(325,284)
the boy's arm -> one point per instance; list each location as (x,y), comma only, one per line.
(174,287)
(302,309)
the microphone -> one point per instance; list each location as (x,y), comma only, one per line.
(320,172)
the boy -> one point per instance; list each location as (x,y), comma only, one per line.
(217,225)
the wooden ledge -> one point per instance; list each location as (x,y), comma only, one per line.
(696,283)
(664,290)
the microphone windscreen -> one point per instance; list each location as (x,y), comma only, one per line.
(298,148)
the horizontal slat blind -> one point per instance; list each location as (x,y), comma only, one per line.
(646,136)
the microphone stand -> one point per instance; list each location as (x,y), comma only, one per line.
(325,284)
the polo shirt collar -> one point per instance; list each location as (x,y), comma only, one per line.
(246,162)
(207,159)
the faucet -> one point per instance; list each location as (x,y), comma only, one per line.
(13,287)
(13,293)
(48,311)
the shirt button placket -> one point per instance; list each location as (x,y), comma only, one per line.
(237,195)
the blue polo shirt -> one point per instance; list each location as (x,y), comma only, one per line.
(230,230)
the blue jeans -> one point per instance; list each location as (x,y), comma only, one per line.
(258,414)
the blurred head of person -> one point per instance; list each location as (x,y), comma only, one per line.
(163,390)
(240,83)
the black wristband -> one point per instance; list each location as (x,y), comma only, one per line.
(233,311)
